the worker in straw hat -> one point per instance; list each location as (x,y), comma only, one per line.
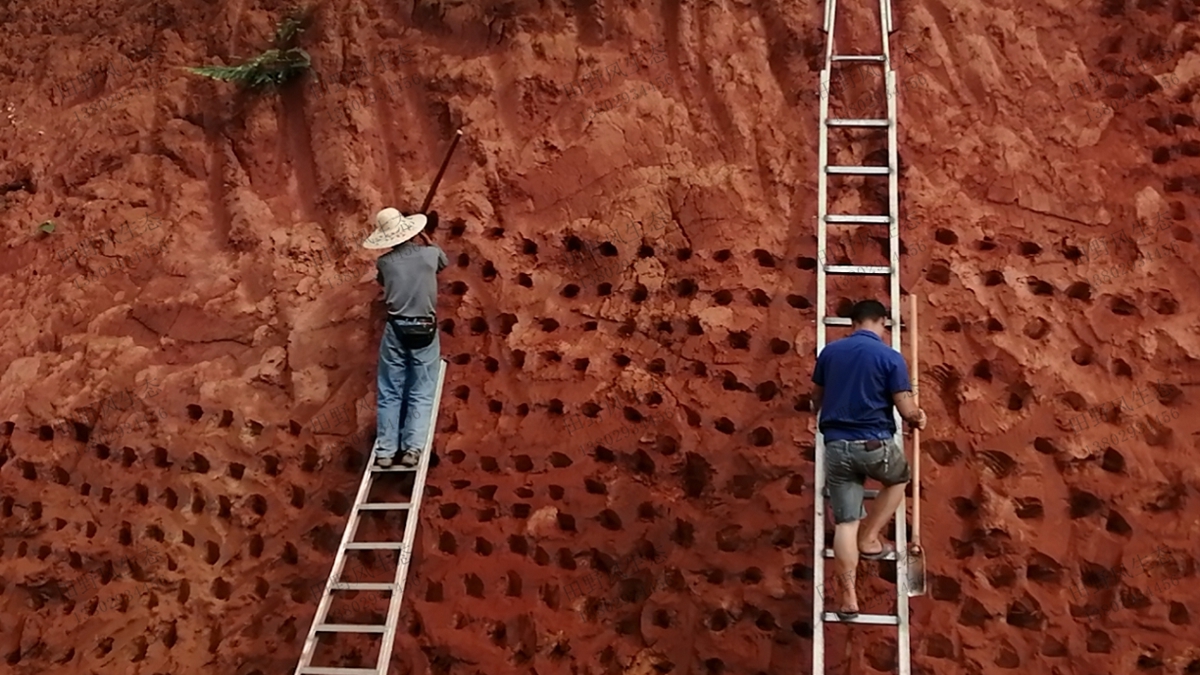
(409,349)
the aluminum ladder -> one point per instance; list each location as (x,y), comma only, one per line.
(821,617)
(403,551)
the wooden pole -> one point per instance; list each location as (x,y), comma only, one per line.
(441,172)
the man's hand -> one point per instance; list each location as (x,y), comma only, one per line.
(919,422)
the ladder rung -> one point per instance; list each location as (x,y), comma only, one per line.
(384,507)
(374,545)
(312,670)
(860,57)
(361,586)
(858,170)
(867,494)
(858,123)
(845,321)
(891,555)
(391,469)
(351,628)
(870,619)
(857,220)
(858,269)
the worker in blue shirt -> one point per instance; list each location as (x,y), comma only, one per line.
(858,381)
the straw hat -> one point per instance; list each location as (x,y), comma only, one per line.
(393,228)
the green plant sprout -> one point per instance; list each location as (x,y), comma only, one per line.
(275,66)
(47,226)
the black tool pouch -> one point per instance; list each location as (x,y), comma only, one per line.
(415,336)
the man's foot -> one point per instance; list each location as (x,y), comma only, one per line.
(847,613)
(878,554)
(383,462)
(409,460)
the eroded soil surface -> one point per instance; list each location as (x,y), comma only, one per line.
(1060,513)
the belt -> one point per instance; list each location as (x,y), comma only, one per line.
(419,319)
(869,445)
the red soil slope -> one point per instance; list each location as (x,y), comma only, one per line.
(186,542)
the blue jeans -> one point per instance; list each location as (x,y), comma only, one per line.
(407,383)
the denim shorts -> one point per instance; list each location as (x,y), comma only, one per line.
(849,463)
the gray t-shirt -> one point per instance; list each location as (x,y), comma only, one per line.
(409,277)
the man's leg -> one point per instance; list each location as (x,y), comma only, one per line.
(894,473)
(845,498)
(390,383)
(423,364)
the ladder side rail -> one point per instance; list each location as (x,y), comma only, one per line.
(819,587)
(903,634)
(822,202)
(339,561)
(830,22)
(405,554)
(818,612)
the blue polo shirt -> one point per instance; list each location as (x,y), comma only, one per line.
(860,374)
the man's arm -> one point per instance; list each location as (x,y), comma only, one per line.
(909,411)
(902,395)
(442,261)
(818,379)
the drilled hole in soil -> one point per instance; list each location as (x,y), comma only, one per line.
(1083,355)
(1080,291)
(798,302)
(939,273)
(1039,287)
(1122,307)
(1037,329)
(945,236)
